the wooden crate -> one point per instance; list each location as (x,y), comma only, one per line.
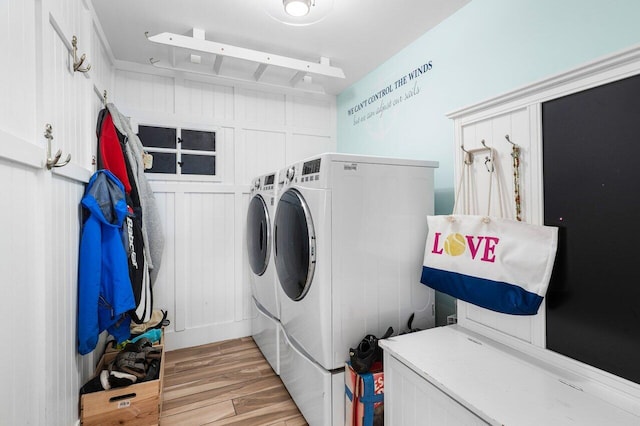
(138,404)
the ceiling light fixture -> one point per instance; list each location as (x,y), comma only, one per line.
(297,7)
(316,11)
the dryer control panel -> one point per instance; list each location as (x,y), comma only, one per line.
(303,172)
(311,167)
(310,171)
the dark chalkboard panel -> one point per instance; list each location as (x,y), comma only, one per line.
(591,143)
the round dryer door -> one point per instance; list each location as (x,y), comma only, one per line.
(295,244)
(258,235)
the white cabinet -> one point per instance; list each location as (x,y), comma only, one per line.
(452,376)
(411,400)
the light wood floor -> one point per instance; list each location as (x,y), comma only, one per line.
(224,383)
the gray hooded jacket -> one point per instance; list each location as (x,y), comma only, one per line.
(152,233)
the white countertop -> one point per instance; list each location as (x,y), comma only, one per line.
(498,383)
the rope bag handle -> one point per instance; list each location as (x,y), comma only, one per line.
(468,182)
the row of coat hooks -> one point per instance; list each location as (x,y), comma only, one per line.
(79,65)
(515,155)
(54,161)
(469,153)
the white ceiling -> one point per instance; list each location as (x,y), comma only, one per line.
(356,35)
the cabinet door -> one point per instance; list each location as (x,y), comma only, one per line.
(474,199)
(495,133)
(411,400)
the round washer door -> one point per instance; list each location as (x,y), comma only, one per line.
(295,244)
(258,235)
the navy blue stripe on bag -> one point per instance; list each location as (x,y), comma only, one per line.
(495,295)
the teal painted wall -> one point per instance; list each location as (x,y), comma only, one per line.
(486,48)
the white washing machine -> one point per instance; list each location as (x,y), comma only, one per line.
(259,231)
(349,235)
(265,331)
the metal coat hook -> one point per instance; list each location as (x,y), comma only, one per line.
(104,98)
(53,162)
(77,63)
(509,140)
(468,156)
(486,161)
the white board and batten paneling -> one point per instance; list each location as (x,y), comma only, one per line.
(204,278)
(492,367)
(518,114)
(40,208)
(519,126)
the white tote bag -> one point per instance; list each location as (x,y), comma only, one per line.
(498,264)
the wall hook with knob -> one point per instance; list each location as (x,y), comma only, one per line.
(55,160)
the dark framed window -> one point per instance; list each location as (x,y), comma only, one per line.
(179,151)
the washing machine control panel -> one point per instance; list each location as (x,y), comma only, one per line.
(268,182)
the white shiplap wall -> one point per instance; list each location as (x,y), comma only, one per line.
(203,281)
(22,302)
(39,209)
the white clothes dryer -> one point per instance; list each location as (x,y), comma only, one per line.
(259,230)
(349,235)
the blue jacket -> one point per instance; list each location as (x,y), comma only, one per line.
(104,287)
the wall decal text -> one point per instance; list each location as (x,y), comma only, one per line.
(383,95)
